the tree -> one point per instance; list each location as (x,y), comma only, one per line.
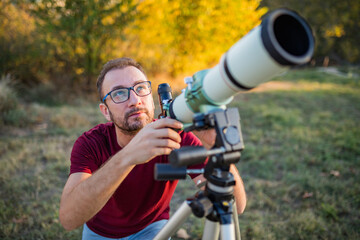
(77,33)
(188,35)
(17,39)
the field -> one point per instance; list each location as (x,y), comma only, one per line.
(300,166)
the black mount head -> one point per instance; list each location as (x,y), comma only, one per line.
(226,150)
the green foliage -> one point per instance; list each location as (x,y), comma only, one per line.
(45,94)
(191,35)
(11,112)
(76,34)
(65,43)
(19,52)
(8,96)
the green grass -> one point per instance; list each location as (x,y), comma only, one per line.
(300,166)
(34,166)
(302,160)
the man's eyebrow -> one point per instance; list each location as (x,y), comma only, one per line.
(122,86)
(117,87)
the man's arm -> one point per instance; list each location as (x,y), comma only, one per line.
(207,138)
(85,194)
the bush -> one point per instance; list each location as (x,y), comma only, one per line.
(10,111)
(44,94)
(8,97)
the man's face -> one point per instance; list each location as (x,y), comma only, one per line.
(132,115)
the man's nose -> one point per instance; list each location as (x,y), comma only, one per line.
(134,99)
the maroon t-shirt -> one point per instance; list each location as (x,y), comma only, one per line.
(139,200)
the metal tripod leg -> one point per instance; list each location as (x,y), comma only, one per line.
(175,222)
(211,230)
(229,225)
(230,231)
(227,231)
(231,228)
(236,222)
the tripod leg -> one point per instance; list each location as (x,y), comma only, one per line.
(226,218)
(227,231)
(236,222)
(211,230)
(175,222)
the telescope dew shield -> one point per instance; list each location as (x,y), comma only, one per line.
(283,39)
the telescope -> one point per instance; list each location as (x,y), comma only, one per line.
(282,40)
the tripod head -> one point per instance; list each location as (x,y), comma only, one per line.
(226,150)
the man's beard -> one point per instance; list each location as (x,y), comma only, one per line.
(132,128)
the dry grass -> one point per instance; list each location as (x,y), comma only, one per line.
(300,165)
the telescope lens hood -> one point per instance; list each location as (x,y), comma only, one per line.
(287,37)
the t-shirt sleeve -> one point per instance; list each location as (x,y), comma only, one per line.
(189,139)
(82,157)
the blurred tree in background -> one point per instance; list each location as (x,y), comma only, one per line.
(72,39)
(76,33)
(189,35)
(65,42)
(18,51)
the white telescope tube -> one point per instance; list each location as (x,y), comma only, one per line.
(283,39)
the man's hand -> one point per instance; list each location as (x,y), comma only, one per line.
(156,138)
(207,137)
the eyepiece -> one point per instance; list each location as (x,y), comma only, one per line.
(165,97)
(164,92)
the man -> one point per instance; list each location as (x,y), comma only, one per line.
(110,189)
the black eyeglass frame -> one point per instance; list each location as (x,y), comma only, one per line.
(129,88)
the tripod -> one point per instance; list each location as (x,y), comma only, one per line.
(216,202)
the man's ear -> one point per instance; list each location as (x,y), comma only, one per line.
(105,111)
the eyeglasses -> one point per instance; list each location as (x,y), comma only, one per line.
(120,95)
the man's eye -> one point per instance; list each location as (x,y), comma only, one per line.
(140,88)
(119,94)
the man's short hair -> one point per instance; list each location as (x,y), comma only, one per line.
(118,63)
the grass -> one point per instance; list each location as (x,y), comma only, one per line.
(34,166)
(300,166)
